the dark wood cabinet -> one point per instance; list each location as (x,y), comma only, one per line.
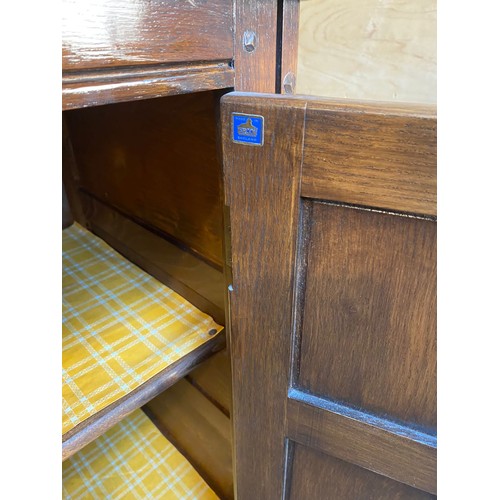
(333,303)
(313,243)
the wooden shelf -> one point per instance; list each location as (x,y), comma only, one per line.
(126,338)
(96,87)
(94,426)
(132,460)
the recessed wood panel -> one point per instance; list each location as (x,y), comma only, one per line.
(103,33)
(369,317)
(322,477)
(156,160)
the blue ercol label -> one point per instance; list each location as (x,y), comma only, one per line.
(248,129)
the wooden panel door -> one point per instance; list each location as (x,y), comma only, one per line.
(332,273)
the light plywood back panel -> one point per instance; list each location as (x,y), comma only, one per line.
(368,49)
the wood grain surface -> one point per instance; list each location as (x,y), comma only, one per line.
(98,424)
(194,279)
(377,155)
(289,46)
(326,478)
(199,430)
(367,49)
(156,160)
(261,189)
(255,69)
(369,312)
(396,451)
(213,379)
(98,87)
(105,33)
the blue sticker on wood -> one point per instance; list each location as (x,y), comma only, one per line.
(248,129)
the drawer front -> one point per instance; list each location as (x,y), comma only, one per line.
(114,33)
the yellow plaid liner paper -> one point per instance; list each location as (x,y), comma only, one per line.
(132,460)
(120,326)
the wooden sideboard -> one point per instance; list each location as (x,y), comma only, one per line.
(316,250)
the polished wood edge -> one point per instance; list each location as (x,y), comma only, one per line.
(258,195)
(289,46)
(93,427)
(395,450)
(132,72)
(414,110)
(255,65)
(327,103)
(94,88)
(194,279)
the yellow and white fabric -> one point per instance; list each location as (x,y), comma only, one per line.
(133,460)
(120,326)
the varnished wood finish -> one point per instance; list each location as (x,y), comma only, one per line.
(262,190)
(289,46)
(110,33)
(93,427)
(369,312)
(213,379)
(376,155)
(322,291)
(199,430)
(327,478)
(390,449)
(197,281)
(156,161)
(98,87)
(255,70)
